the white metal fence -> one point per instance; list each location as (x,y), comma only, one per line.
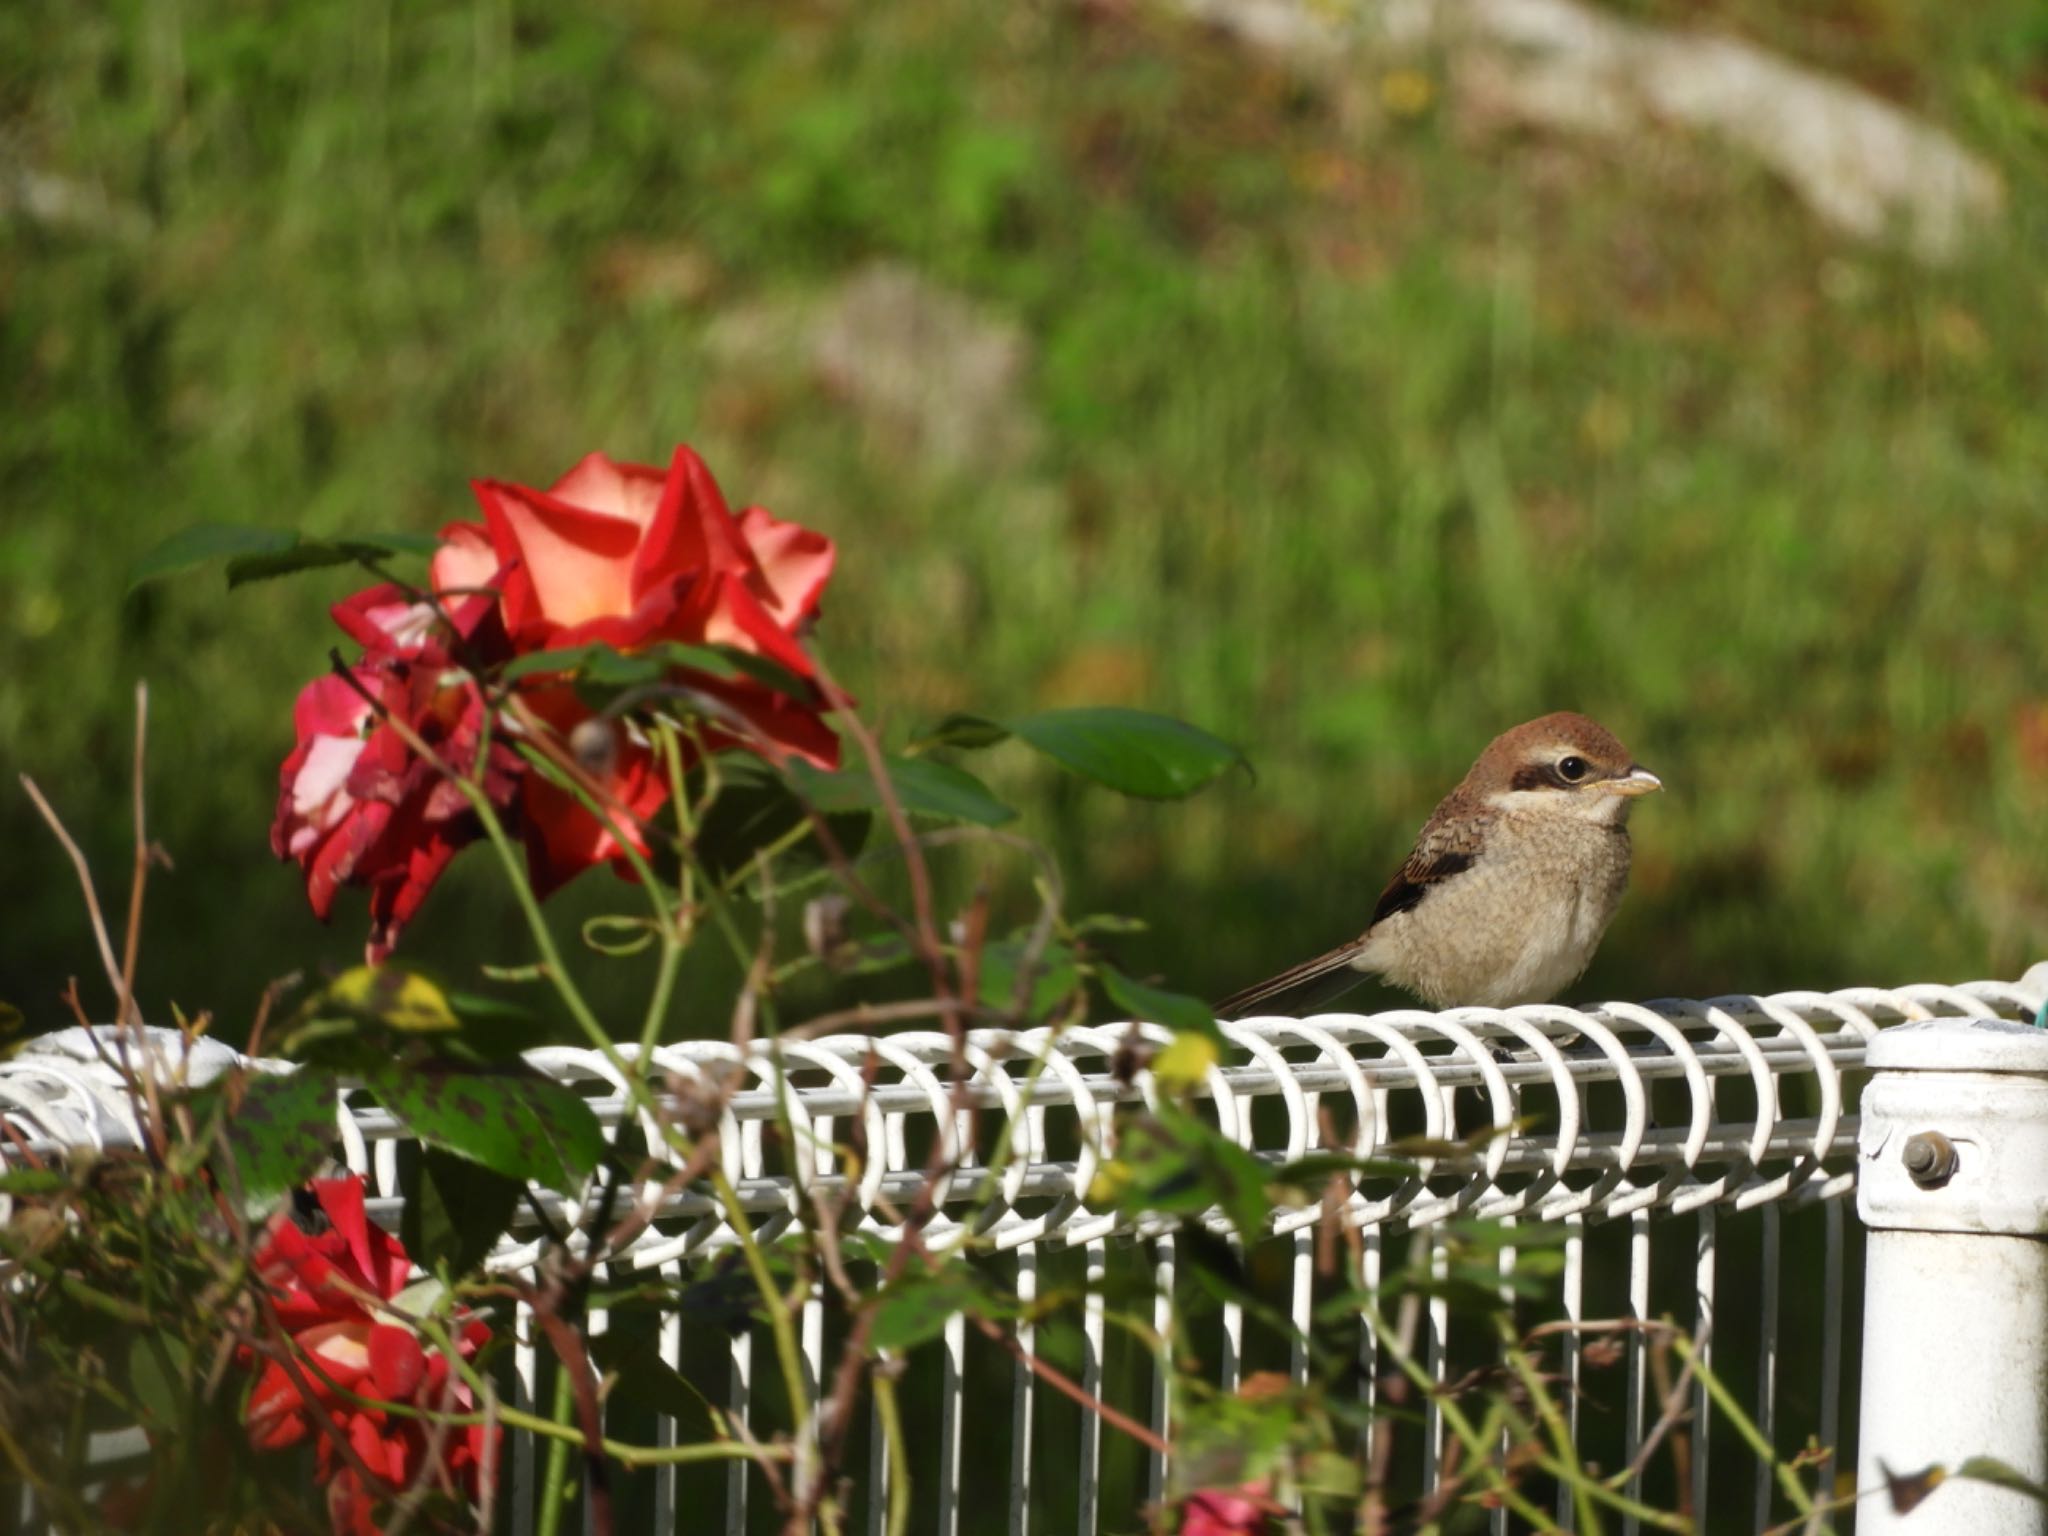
(1694,1155)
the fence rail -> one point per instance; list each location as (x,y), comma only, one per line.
(1726,1111)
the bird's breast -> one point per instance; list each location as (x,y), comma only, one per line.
(1518,926)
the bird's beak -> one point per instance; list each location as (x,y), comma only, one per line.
(1637,781)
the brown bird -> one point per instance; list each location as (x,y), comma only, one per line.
(1512,881)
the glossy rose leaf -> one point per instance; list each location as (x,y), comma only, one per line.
(254,552)
(923,788)
(457,1211)
(915,1309)
(513,1122)
(281,1132)
(1155,1005)
(1151,757)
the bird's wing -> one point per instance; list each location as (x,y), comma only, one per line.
(1446,846)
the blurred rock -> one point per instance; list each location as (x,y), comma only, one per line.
(937,376)
(58,202)
(1859,163)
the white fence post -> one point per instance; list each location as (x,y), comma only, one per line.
(1954,1192)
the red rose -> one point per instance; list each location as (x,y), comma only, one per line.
(328,1289)
(617,553)
(627,555)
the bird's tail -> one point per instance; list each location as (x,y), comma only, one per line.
(1334,970)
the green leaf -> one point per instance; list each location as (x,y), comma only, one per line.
(643,1380)
(159,1370)
(1176,1164)
(1989,1469)
(969,733)
(282,1132)
(305,555)
(204,543)
(1155,1005)
(255,553)
(458,1212)
(33,1181)
(923,788)
(513,1122)
(1053,980)
(915,1308)
(1149,756)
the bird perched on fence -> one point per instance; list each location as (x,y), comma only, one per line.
(1511,883)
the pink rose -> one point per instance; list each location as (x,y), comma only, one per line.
(1242,1511)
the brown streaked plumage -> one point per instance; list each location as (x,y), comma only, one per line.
(1511,883)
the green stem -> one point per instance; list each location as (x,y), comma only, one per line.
(1724,1400)
(1456,1421)
(787,1353)
(1554,1421)
(899,1456)
(558,1454)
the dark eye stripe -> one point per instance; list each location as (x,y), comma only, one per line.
(1546,776)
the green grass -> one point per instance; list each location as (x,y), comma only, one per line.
(1363,438)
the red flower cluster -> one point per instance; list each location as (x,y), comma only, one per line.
(327,1289)
(618,553)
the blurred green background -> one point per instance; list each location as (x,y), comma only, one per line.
(1126,364)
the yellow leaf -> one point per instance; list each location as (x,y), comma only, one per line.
(1181,1066)
(404,1000)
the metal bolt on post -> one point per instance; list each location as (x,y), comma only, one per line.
(1954,1192)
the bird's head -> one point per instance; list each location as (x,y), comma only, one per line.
(1561,765)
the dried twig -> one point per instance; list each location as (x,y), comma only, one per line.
(92,900)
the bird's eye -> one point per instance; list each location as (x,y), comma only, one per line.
(1572,769)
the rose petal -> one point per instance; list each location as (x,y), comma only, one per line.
(795,563)
(397,1363)
(574,564)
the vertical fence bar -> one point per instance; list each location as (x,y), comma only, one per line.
(1497,1522)
(1020,1393)
(1572,1358)
(1162,1368)
(953,1358)
(1231,1361)
(1705,1238)
(878,1456)
(1639,1309)
(1301,1303)
(1439,1315)
(597,1323)
(1767,1363)
(739,1401)
(1093,1337)
(1830,1347)
(525,1397)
